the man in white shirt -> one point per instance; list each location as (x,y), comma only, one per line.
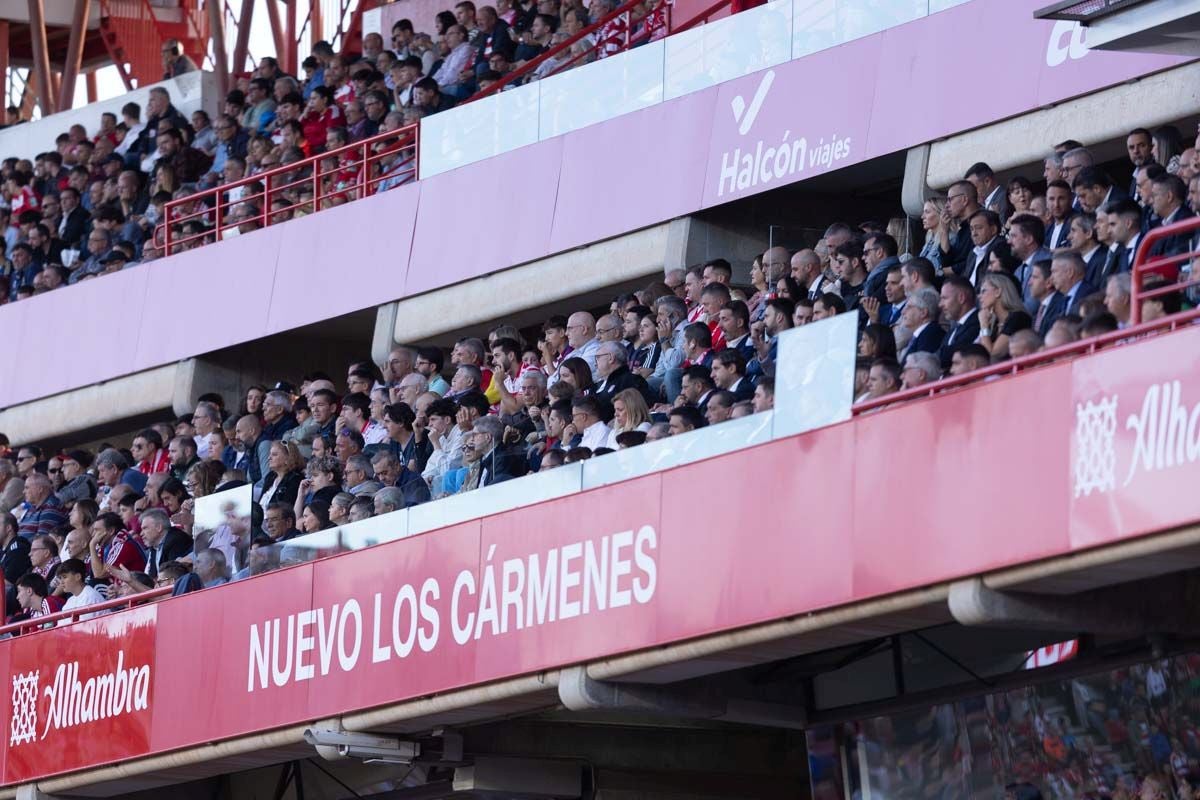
(585,417)
(72,575)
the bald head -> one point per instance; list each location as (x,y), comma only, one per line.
(581,328)
(805,266)
(248,430)
(318,385)
(775,263)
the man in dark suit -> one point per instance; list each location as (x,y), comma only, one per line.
(1047,302)
(1140,146)
(985,238)
(729,372)
(1167,195)
(76,221)
(1067,273)
(163,541)
(958,308)
(920,317)
(1094,188)
(1058,204)
(992,195)
(613,370)
(697,387)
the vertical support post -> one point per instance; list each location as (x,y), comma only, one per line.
(292,44)
(41,56)
(277,34)
(92,92)
(316,23)
(66,96)
(216,30)
(241,45)
(4,58)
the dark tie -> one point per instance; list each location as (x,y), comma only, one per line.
(152,563)
(1120,262)
(1037,322)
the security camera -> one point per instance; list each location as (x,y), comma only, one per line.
(336,745)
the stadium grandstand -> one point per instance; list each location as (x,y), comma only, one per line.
(565,399)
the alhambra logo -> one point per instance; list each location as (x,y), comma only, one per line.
(74,701)
(764,162)
(1166,433)
(1095,457)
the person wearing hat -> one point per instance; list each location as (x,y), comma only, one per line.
(113,261)
(77,482)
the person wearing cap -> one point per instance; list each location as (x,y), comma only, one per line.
(77,484)
(113,261)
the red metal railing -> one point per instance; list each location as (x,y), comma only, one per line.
(1136,329)
(51,620)
(1164,269)
(330,178)
(620,29)
(134,38)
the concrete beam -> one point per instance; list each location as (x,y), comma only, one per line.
(915,189)
(1162,605)
(578,692)
(521,289)
(1154,100)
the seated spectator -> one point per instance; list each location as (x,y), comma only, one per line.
(684,419)
(72,575)
(919,369)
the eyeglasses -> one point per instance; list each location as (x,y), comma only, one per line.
(54,470)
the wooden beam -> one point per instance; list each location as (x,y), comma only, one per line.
(74,60)
(92,93)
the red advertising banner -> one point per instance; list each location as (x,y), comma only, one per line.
(82,696)
(1053,460)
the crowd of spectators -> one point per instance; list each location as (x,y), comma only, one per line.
(95,203)
(1128,734)
(1003,271)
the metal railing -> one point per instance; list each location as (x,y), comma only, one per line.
(304,187)
(1137,329)
(124,27)
(209,208)
(52,620)
(1165,270)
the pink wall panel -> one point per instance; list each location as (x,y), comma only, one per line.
(321,275)
(917,461)
(14,367)
(485,217)
(206,299)
(781,512)
(665,143)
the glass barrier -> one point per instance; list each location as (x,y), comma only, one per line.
(730,48)
(816,361)
(474,131)
(821,24)
(685,62)
(222,521)
(814,376)
(601,90)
